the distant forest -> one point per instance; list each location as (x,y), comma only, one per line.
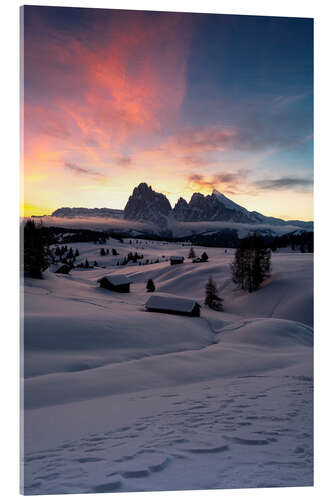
(301,241)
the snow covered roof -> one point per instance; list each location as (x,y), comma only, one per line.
(116,279)
(176,257)
(170,302)
(63,268)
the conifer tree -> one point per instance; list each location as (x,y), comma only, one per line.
(102,252)
(35,261)
(191,254)
(204,257)
(212,299)
(150,285)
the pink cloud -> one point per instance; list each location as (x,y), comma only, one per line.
(124,83)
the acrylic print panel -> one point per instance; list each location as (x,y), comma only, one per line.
(168,251)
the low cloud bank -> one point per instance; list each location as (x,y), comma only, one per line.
(96,223)
(178,229)
(188,228)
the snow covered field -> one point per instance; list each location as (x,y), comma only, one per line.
(120,399)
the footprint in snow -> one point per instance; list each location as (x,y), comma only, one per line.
(208,449)
(248,442)
(84,460)
(144,465)
(110,486)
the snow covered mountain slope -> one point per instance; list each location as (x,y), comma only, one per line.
(228,203)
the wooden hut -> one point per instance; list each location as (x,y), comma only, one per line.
(176,259)
(172,304)
(117,283)
(63,269)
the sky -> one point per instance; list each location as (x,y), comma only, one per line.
(185,102)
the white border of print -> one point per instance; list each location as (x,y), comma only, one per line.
(322,12)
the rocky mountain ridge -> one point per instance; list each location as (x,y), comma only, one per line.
(147,205)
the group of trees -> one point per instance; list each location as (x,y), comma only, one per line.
(139,260)
(64,254)
(252,263)
(104,252)
(192,255)
(298,241)
(131,257)
(37,254)
(134,257)
(86,264)
(101,240)
(34,254)
(251,266)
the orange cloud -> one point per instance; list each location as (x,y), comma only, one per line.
(230,182)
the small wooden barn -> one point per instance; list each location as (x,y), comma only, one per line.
(63,269)
(117,283)
(172,304)
(176,259)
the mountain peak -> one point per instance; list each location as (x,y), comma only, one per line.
(228,203)
(217,193)
(143,186)
(147,204)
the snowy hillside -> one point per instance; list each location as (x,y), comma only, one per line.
(121,399)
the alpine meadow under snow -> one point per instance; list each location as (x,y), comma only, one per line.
(121,399)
